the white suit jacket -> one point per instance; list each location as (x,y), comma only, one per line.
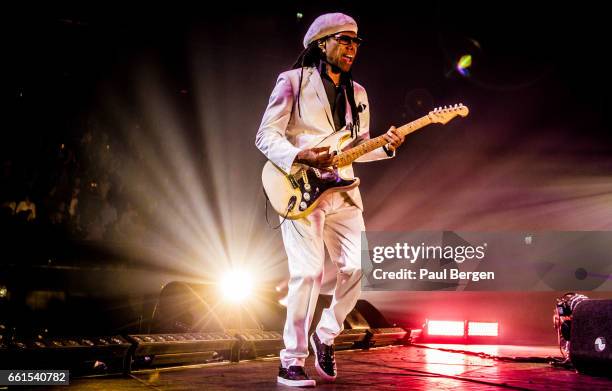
(285,131)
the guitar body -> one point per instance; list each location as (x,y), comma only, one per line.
(296,194)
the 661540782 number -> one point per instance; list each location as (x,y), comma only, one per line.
(34,377)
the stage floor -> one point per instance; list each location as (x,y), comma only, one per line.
(388,368)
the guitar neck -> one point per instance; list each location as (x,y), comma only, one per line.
(350,155)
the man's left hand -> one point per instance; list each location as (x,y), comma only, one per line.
(393,138)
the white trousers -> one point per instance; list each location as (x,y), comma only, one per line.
(336,223)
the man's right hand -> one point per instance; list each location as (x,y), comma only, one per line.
(315,157)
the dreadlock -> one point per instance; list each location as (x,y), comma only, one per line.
(312,56)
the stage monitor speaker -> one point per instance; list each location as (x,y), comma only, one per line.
(364,326)
(363,317)
(80,355)
(372,316)
(186,308)
(591,337)
(152,350)
(381,332)
(257,343)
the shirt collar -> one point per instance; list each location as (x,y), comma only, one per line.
(323,72)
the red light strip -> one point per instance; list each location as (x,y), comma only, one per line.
(483,329)
(445,327)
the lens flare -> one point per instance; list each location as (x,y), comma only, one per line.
(463,64)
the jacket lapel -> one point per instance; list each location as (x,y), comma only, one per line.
(322,95)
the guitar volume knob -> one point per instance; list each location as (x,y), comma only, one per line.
(306,196)
(303,205)
(307,187)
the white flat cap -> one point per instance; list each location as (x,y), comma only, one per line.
(328,24)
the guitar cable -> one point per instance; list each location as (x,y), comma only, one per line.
(296,230)
(290,206)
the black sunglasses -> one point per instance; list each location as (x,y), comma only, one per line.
(347,40)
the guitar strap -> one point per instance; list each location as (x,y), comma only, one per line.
(348,114)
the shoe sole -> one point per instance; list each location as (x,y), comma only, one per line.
(296,383)
(320,370)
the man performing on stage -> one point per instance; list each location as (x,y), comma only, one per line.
(313,100)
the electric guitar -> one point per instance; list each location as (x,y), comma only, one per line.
(294,195)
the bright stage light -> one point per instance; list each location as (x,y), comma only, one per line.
(483,329)
(445,327)
(236,285)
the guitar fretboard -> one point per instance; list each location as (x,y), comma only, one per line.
(350,155)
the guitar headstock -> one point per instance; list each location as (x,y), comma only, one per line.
(442,115)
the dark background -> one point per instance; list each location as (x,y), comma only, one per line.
(159,105)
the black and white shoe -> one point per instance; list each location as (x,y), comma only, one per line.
(325,360)
(294,376)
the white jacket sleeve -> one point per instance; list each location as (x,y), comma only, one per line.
(271,138)
(364,132)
